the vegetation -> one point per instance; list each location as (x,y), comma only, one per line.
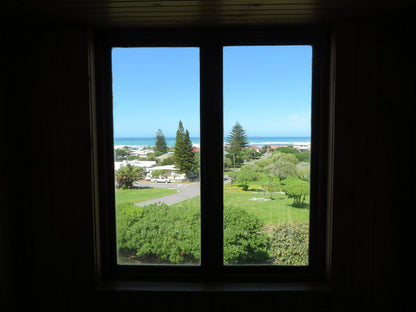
(247,174)
(160,145)
(140,195)
(183,155)
(301,156)
(121,153)
(162,234)
(290,244)
(167,161)
(158,173)
(238,141)
(264,222)
(127,175)
(247,224)
(244,241)
(272,212)
(159,233)
(296,189)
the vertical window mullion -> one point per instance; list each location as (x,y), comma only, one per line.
(211,157)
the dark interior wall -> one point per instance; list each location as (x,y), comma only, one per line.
(374,89)
(46,216)
(46,165)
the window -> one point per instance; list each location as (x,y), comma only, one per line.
(267,125)
(156,145)
(203,247)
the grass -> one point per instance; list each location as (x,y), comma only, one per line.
(141,195)
(272,212)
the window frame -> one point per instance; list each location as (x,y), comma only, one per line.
(210,43)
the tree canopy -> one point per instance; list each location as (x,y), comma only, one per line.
(183,155)
(238,142)
(237,139)
(160,145)
(296,189)
(127,175)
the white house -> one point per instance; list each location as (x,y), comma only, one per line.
(302,146)
(145,164)
(171,172)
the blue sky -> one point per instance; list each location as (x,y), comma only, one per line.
(267,89)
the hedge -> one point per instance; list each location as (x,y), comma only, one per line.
(159,233)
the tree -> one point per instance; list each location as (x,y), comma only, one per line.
(227,163)
(238,141)
(296,189)
(280,165)
(160,145)
(183,154)
(301,156)
(304,170)
(127,175)
(270,187)
(120,153)
(247,174)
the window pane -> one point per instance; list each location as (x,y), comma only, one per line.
(156,152)
(267,144)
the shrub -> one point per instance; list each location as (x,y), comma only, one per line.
(127,175)
(247,174)
(158,173)
(166,234)
(244,241)
(296,189)
(127,215)
(169,234)
(290,244)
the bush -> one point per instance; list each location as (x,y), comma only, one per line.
(158,173)
(244,241)
(296,189)
(127,215)
(290,244)
(127,175)
(167,161)
(247,174)
(160,233)
(301,156)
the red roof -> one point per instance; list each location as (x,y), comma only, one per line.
(255,147)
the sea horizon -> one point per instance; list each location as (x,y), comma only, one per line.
(253,141)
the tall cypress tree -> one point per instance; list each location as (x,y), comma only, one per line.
(160,145)
(183,155)
(237,139)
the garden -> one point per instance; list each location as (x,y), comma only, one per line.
(263,224)
(266,209)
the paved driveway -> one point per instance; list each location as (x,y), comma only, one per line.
(185,191)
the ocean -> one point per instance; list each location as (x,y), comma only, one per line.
(256,141)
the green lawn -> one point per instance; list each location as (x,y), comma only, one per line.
(141,195)
(272,212)
(276,211)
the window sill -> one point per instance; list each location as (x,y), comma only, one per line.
(204,287)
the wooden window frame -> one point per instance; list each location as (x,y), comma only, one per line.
(210,43)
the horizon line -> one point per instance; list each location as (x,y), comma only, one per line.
(256,136)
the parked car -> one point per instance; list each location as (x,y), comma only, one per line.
(160,180)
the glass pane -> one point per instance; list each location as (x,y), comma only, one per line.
(267,144)
(156,153)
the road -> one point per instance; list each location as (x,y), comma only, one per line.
(185,191)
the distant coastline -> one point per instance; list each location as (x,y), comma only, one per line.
(253,141)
